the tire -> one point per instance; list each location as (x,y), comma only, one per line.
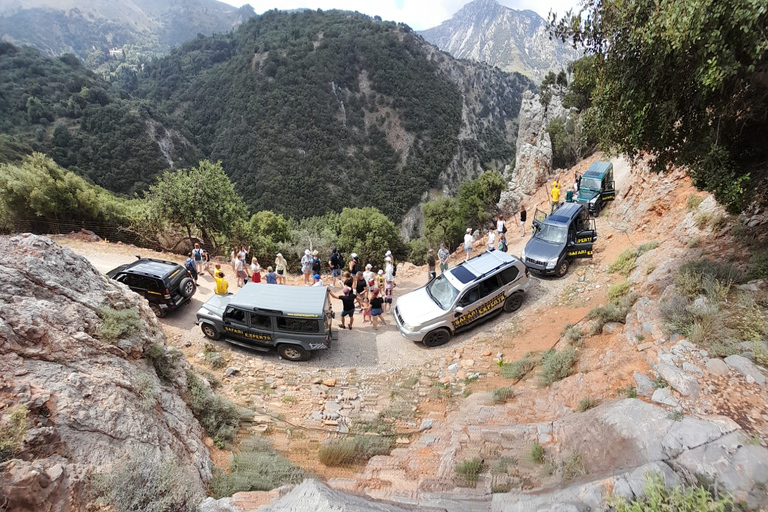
(513,302)
(293,352)
(187,287)
(157,310)
(210,332)
(598,207)
(437,337)
(562,268)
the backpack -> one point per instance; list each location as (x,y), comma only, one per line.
(394,267)
(502,246)
(339,260)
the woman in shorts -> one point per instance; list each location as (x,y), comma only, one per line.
(377,304)
(280,266)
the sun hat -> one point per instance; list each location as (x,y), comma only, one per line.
(314,253)
(469,230)
(387,259)
(381,272)
(316,276)
(354,255)
(369,266)
(279,255)
(389,253)
(306,251)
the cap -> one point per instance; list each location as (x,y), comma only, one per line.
(387,259)
(354,255)
(346,291)
(316,276)
(469,230)
(279,255)
(442,244)
(375,291)
(369,266)
(314,253)
(389,253)
(381,272)
(306,251)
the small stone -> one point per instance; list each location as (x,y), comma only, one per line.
(318,380)
(187,343)
(331,423)
(691,368)
(426,424)
(487,353)
(402,440)
(644,346)
(232,370)
(664,396)
(329,382)
(453,367)
(260,429)
(716,366)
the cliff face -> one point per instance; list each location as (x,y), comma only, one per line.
(512,40)
(89,402)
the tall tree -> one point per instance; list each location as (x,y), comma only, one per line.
(683,80)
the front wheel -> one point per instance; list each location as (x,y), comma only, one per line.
(437,337)
(293,352)
(513,302)
(210,332)
(562,268)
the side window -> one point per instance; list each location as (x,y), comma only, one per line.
(154,285)
(508,275)
(261,321)
(139,282)
(297,324)
(470,296)
(487,287)
(124,278)
(235,315)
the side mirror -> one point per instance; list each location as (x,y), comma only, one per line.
(459,310)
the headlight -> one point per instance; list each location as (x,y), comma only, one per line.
(593,200)
(552,262)
(408,327)
(522,255)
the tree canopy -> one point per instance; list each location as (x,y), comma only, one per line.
(683,80)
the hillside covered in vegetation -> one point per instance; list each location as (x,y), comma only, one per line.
(309,112)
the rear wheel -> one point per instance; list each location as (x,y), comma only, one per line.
(210,331)
(157,310)
(437,337)
(293,352)
(513,302)
(562,268)
(187,287)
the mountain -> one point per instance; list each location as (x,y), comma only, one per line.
(308,112)
(100,31)
(511,40)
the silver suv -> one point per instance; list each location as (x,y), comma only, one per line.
(461,297)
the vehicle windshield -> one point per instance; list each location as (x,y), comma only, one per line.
(590,184)
(442,292)
(552,233)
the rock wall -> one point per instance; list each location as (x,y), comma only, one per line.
(90,402)
(533,158)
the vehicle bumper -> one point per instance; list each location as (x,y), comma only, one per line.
(415,336)
(540,269)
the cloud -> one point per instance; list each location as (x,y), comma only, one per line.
(418,14)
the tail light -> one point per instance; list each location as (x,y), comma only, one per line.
(167,293)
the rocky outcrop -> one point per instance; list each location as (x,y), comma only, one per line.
(509,39)
(533,158)
(90,402)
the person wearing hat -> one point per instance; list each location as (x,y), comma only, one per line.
(335,262)
(368,274)
(442,256)
(389,270)
(468,244)
(354,264)
(394,263)
(431,264)
(348,300)
(280,267)
(317,265)
(306,266)
(377,304)
(318,281)
(380,281)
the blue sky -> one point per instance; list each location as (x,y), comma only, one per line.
(418,14)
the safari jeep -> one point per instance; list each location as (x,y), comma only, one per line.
(559,238)
(295,320)
(462,297)
(596,187)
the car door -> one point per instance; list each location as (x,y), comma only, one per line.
(260,330)
(538,218)
(478,302)
(235,323)
(609,188)
(584,235)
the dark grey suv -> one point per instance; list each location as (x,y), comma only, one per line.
(166,285)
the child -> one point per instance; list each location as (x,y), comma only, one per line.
(491,240)
(388,295)
(366,306)
(380,280)
(270,276)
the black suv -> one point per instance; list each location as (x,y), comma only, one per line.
(165,284)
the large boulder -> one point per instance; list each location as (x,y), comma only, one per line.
(90,402)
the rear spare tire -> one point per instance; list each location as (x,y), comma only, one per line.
(187,287)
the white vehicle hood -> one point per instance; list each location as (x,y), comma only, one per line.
(417,308)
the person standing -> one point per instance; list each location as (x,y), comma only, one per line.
(317,265)
(335,263)
(233,258)
(306,266)
(240,272)
(431,264)
(491,240)
(394,263)
(554,195)
(377,305)
(255,270)
(368,274)
(354,264)
(501,227)
(197,254)
(348,300)
(523,218)
(280,268)
(191,266)
(442,255)
(388,295)
(206,260)
(389,270)
(468,244)
(380,280)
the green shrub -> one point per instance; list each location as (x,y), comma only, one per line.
(377,426)
(219,417)
(587,403)
(619,290)
(145,387)
(692,277)
(502,395)
(213,357)
(556,365)
(693,201)
(758,265)
(354,450)
(611,312)
(660,382)
(254,467)
(573,466)
(142,482)
(684,499)
(164,361)
(116,324)
(468,472)
(537,453)
(628,392)
(518,369)
(624,263)
(573,335)
(648,246)
(12,432)
(503,464)
(703,219)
